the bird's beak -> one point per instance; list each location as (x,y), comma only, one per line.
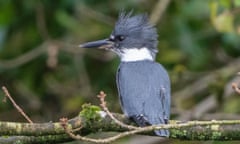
(102,44)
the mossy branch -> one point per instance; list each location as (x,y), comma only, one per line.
(91,120)
(54,132)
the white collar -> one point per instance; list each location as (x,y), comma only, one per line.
(135,54)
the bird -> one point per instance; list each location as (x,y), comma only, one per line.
(143,84)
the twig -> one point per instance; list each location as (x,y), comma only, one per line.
(86,11)
(52,52)
(200,86)
(4,99)
(24,58)
(64,123)
(15,105)
(220,115)
(235,11)
(102,96)
(214,125)
(235,86)
(203,107)
(104,140)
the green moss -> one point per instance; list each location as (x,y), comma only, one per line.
(90,112)
(201,137)
(5,136)
(175,133)
(216,135)
(18,142)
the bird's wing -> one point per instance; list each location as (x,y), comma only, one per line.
(144,92)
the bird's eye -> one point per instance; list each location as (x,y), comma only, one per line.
(116,38)
(121,38)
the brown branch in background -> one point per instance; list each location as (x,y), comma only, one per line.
(158,11)
(15,105)
(52,48)
(37,52)
(44,48)
(101,97)
(89,12)
(4,99)
(52,52)
(235,86)
(24,58)
(235,11)
(200,86)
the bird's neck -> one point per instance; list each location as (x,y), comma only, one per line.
(136,54)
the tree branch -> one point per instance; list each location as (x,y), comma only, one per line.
(202,85)
(191,130)
(235,87)
(35,139)
(24,58)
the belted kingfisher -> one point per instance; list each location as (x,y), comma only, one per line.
(143,85)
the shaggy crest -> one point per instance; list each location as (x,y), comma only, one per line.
(136,30)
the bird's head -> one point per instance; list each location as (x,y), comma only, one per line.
(133,38)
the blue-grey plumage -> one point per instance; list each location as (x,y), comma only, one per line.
(144,90)
(143,84)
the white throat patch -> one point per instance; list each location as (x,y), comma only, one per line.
(135,54)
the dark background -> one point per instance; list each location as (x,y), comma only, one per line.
(50,77)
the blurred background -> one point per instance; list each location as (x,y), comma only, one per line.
(50,77)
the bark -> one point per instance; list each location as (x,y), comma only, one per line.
(53,132)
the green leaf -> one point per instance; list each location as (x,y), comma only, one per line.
(224,22)
(6,13)
(236,3)
(213,10)
(225,3)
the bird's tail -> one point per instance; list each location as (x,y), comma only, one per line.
(142,121)
(162,133)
